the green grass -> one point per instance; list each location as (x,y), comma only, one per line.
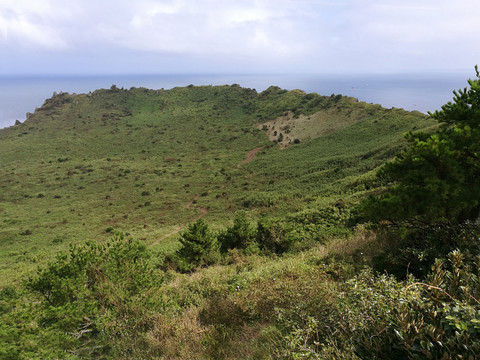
(132,159)
(147,163)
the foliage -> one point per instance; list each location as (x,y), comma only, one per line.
(438,318)
(414,252)
(89,295)
(301,306)
(239,236)
(273,236)
(104,299)
(199,246)
(436,179)
(323,223)
(98,156)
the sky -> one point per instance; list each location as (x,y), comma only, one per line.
(237,36)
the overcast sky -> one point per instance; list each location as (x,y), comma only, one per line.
(237,36)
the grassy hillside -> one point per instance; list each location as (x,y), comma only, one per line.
(216,223)
(148,162)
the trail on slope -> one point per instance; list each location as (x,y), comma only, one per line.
(251,155)
(203,211)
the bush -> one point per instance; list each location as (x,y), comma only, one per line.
(199,247)
(239,236)
(272,236)
(414,252)
(259,199)
(91,297)
(378,317)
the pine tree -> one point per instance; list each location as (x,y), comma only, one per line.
(436,180)
(199,246)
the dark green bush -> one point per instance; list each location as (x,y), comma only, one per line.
(414,252)
(272,236)
(239,236)
(199,247)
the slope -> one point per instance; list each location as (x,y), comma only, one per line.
(83,165)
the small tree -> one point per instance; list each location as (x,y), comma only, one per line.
(239,236)
(199,246)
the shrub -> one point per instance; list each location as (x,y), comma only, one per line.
(239,236)
(199,247)
(272,236)
(259,199)
(91,297)
(415,252)
(378,317)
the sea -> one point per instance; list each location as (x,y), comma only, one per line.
(420,92)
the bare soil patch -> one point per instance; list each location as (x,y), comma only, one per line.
(288,128)
(251,155)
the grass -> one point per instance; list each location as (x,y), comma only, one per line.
(133,159)
(99,170)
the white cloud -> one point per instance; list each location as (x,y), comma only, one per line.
(212,27)
(415,22)
(23,30)
(148,11)
(33,23)
(366,35)
(390,35)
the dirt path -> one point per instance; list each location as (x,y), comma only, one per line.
(252,154)
(202,210)
(173,232)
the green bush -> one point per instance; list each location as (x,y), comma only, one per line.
(414,252)
(259,199)
(379,317)
(199,247)
(239,236)
(273,236)
(93,297)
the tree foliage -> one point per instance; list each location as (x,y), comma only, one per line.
(436,180)
(86,294)
(199,246)
(239,236)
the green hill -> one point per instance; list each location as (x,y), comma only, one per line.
(221,223)
(134,159)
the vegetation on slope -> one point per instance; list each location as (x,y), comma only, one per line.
(292,278)
(148,162)
(433,185)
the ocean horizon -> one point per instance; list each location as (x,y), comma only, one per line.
(420,92)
